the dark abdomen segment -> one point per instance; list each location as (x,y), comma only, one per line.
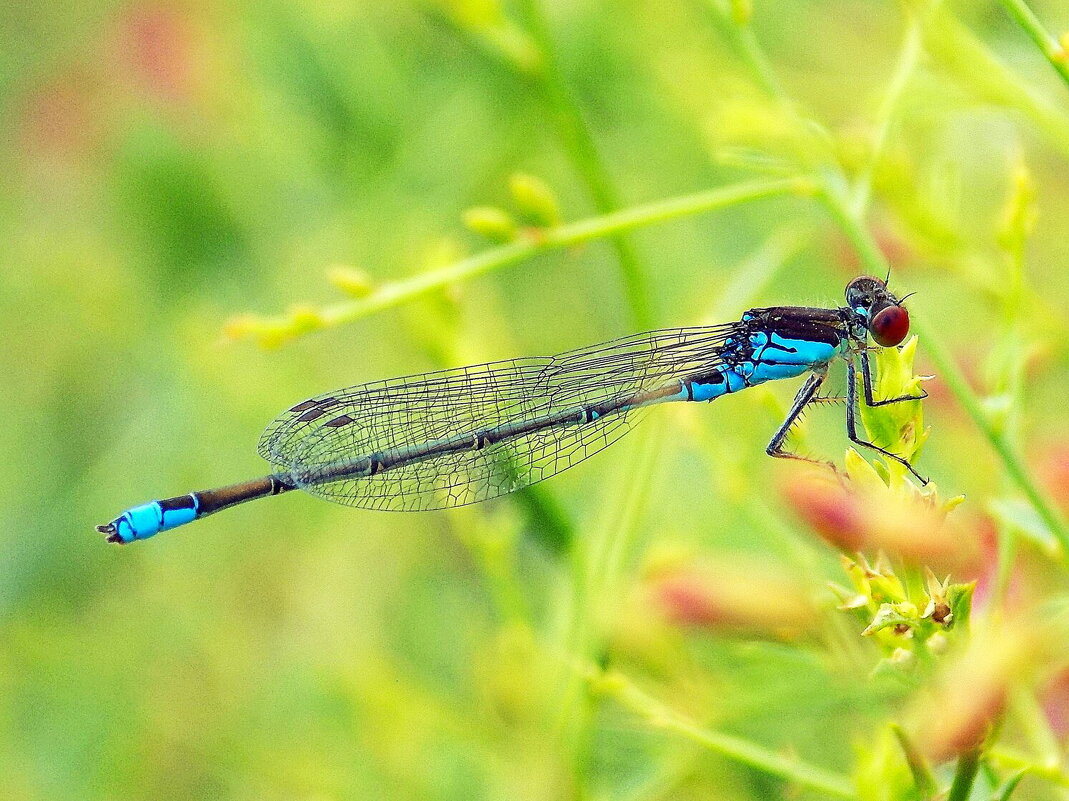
(147,520)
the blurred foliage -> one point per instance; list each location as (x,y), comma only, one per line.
(655,623)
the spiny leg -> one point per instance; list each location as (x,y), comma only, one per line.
(805,395)
(866,377)
(851,422)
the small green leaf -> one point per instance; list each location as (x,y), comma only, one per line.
(890,615)
(959,597)
(885,583)
(1023,518)
(1004,792)
(918,765)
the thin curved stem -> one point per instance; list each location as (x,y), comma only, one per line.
(1052,50)
(1051,772)
(734,748)
(531,244)
(583,151)
(953,47)
(741,37)
(909,58)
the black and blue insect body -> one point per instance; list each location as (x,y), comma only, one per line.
(460,436)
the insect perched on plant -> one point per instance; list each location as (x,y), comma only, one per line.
(460,436)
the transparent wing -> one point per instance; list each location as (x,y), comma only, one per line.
(388,417)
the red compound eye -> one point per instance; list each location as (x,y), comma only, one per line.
(890,326)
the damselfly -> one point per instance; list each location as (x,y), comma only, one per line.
(460,436)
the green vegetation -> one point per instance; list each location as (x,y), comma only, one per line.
(212,213)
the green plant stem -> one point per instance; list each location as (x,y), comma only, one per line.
(1008,542)
(583,151)
(918,765)
(742,39)
(735,748)
(959,387)
(752,276)
(964,776)
(553,529)
(764,760)
(548,522)
(1009,786)
(1028,714)
(875,263)
(602,564)
(564,236)
(1049,771)
(1047,44)
(912,48)
(953,47)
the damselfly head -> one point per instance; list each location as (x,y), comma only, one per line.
(885,317)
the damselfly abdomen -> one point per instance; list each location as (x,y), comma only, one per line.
(465,435)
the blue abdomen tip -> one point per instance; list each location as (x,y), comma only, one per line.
(147,520)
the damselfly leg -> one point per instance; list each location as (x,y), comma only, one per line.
(806,395)
(866,379)
(851,411)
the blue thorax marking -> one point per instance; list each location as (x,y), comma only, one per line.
(776,357)
(765,371)
(761,357)
(776,349)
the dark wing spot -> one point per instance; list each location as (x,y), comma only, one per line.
(338,422)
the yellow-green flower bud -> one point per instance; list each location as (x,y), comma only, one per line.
(535,200)
(491,222)
(350,280)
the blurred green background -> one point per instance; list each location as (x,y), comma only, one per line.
(168,166)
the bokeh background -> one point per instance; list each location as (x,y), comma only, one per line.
(167,167)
